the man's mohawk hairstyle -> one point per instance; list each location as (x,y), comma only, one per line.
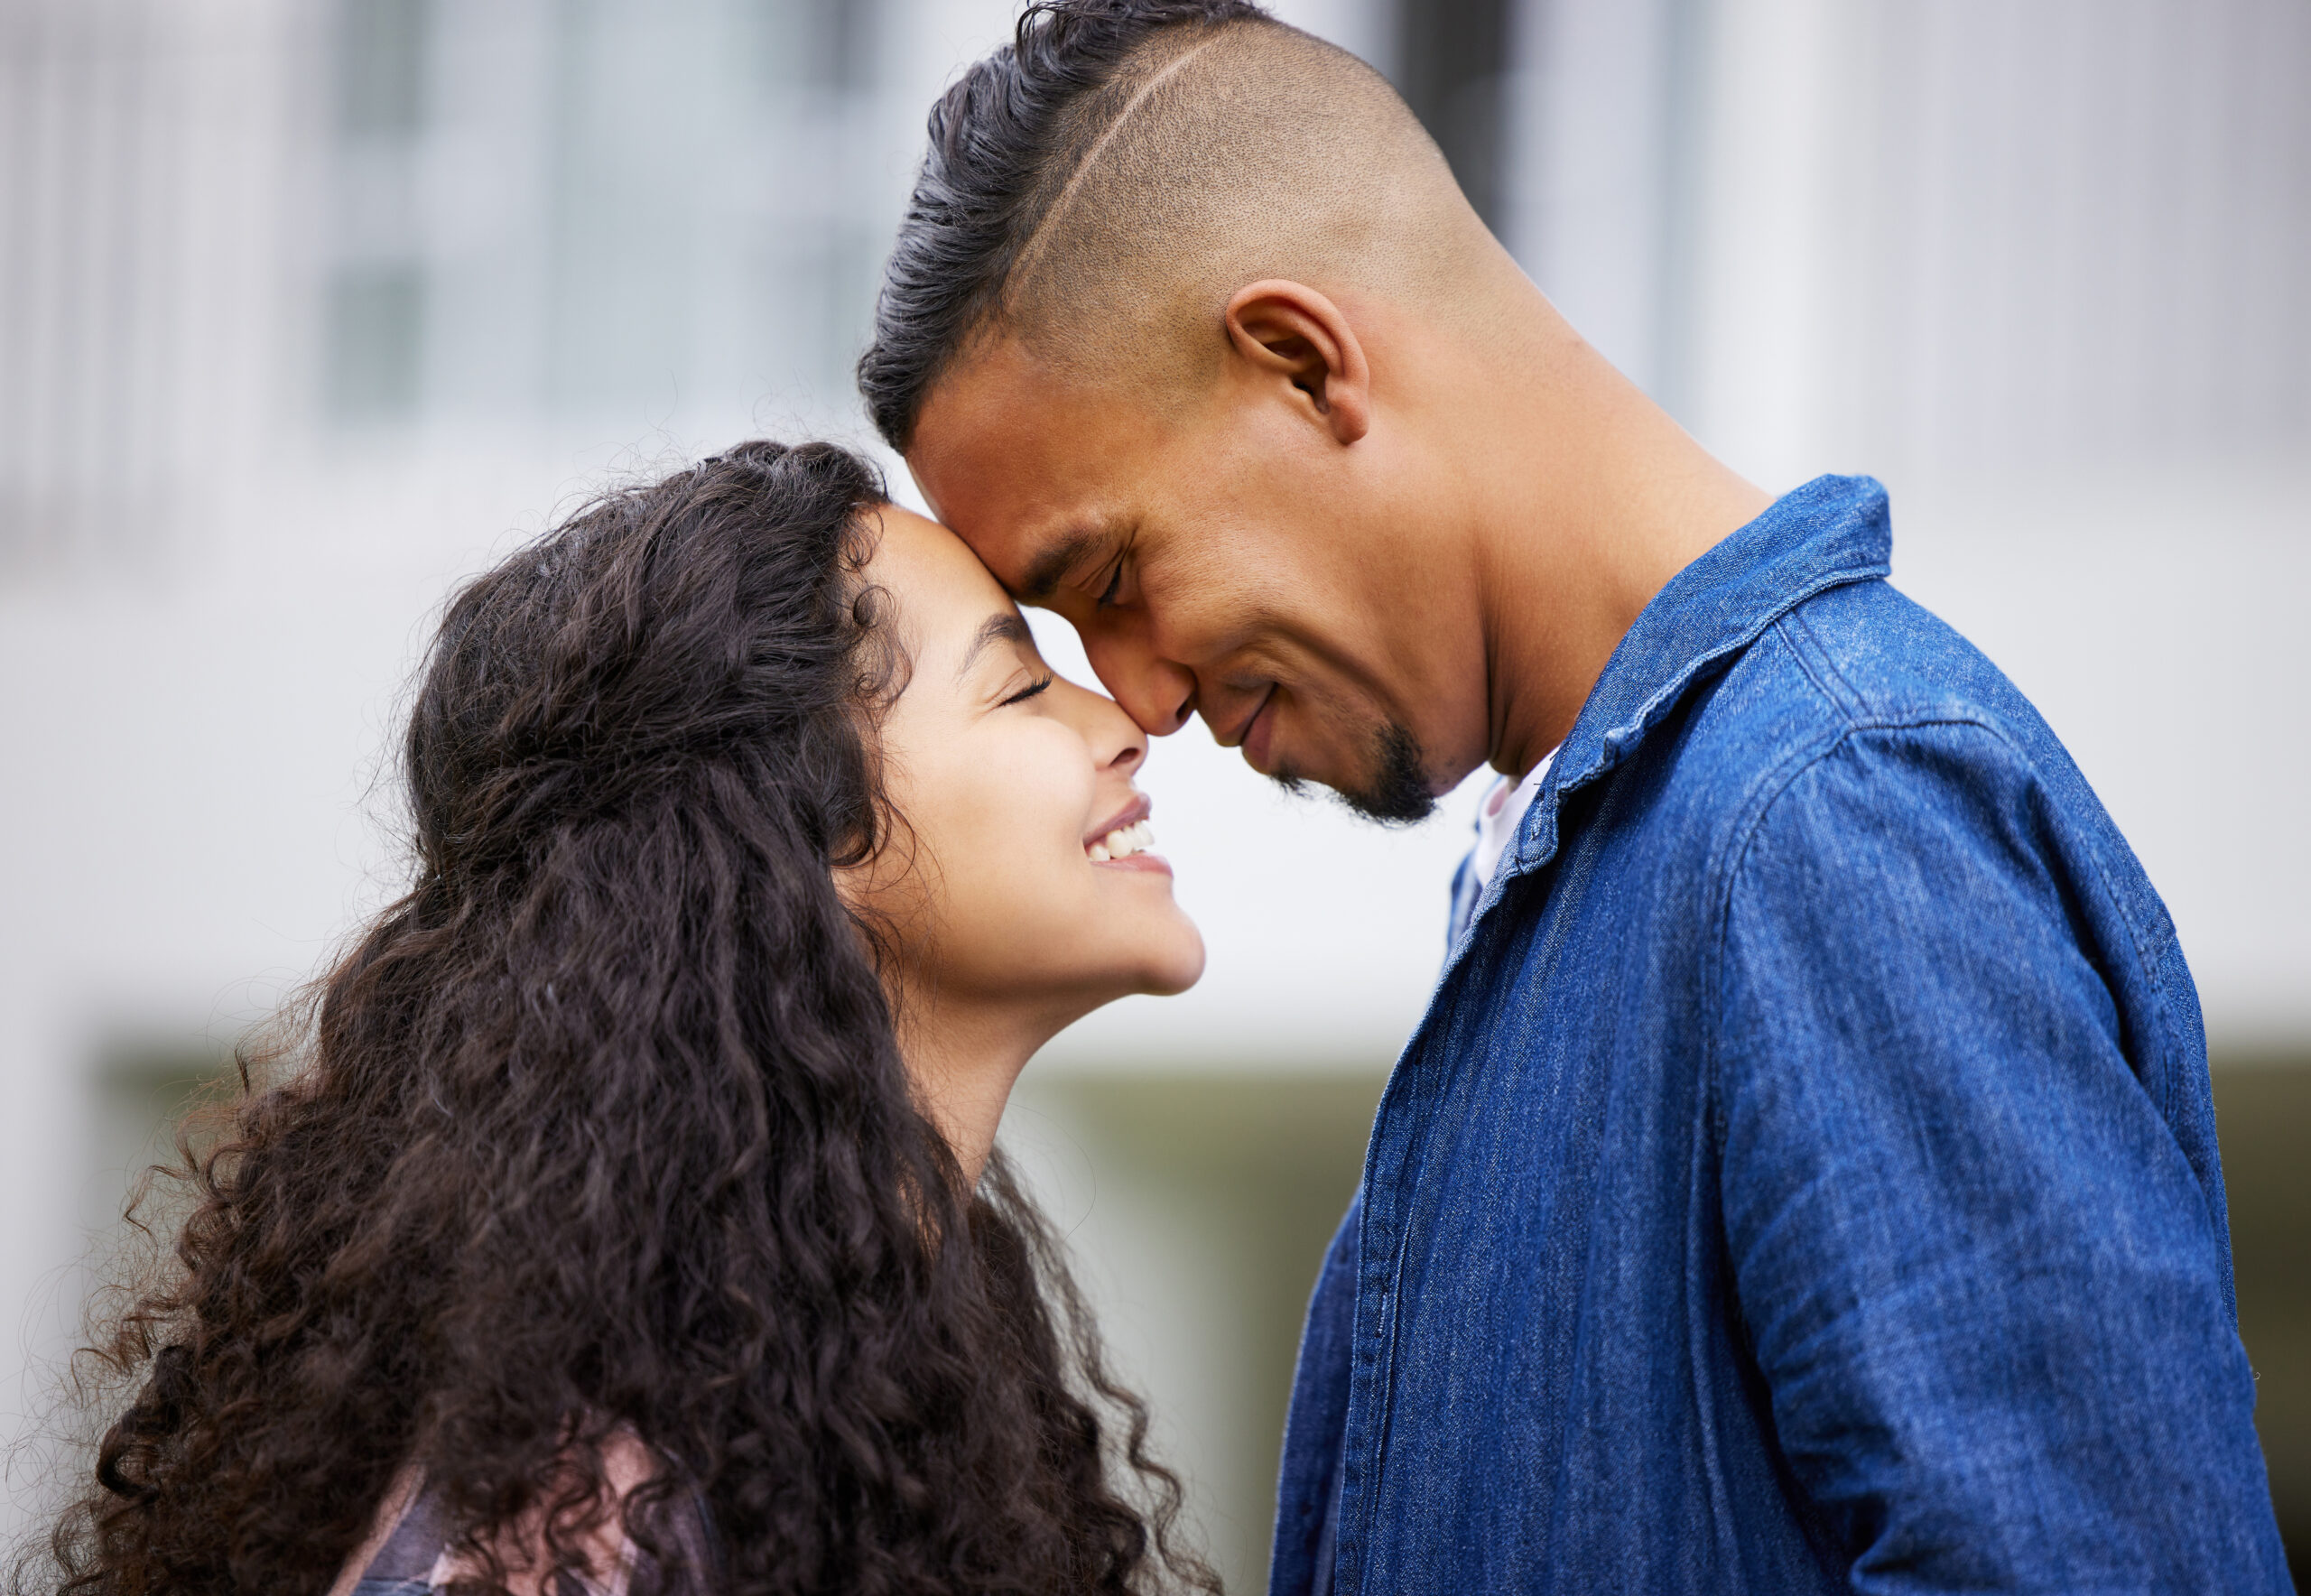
(987,183)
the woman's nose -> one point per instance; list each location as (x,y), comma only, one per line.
(1115,738)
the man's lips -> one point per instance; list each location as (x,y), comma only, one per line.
(1234,736)
(1258,732)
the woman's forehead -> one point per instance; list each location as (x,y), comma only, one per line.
(944,592)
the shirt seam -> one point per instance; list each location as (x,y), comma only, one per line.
(1805,640)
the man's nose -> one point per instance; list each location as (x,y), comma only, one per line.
(1156,692)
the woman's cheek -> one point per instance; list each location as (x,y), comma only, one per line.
(1027,814)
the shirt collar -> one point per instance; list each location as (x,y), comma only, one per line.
(1832,531)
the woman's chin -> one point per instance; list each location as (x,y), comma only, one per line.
(1179,969)
(1156,967)
(1163,973)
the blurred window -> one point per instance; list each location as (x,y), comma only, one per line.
(633,215)
(2076,236)
(1452,56)
(381,53)
(108,236)
(376,326)
(817,44)
(374,299)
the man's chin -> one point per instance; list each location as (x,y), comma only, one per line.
(1395,789)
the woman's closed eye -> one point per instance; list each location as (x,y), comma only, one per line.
(1115,583)
(1025,693)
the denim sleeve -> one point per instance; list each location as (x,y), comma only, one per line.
(1986,1300)
(1307,1487)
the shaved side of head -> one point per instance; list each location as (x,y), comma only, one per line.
(1219,156)
(1100,188)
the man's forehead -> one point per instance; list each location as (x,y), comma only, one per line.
(1031,538)
(991,406)
(1032,555)
(1013,459)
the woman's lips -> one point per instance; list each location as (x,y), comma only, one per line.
(1153,863)
(1130,814)
(1127,846)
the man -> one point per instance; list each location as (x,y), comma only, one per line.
(1804,1178)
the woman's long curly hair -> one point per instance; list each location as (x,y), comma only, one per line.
(601,1129)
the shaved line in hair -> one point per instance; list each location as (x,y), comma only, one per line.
(1023,267)
(1098,193)
(1223,154)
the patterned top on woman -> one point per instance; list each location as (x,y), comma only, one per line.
(411,1550)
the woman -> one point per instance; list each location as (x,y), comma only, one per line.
(631,1220)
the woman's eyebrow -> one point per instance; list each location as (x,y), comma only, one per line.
(1003,627)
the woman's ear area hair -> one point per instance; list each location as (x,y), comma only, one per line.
(875,870)
(1288,330)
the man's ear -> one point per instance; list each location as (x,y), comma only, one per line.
(1289,329)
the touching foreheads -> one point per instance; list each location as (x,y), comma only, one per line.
(1101,187)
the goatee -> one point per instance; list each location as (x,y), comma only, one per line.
(1397,791)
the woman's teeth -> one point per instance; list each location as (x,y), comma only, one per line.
(1122,843)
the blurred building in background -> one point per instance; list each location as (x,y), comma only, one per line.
(308,307)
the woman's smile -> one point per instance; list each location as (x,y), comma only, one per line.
(1127,848)
(1123,840)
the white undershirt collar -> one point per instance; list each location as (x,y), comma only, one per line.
(1499,813)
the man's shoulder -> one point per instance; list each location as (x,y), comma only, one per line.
(1860,657)
(1864,675)
(1864,654)
(1859,665)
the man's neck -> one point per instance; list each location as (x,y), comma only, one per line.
(1593,499)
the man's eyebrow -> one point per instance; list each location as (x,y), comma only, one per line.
(1003,627)
(1054,562)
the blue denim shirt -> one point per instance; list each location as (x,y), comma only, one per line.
(1805,1176)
